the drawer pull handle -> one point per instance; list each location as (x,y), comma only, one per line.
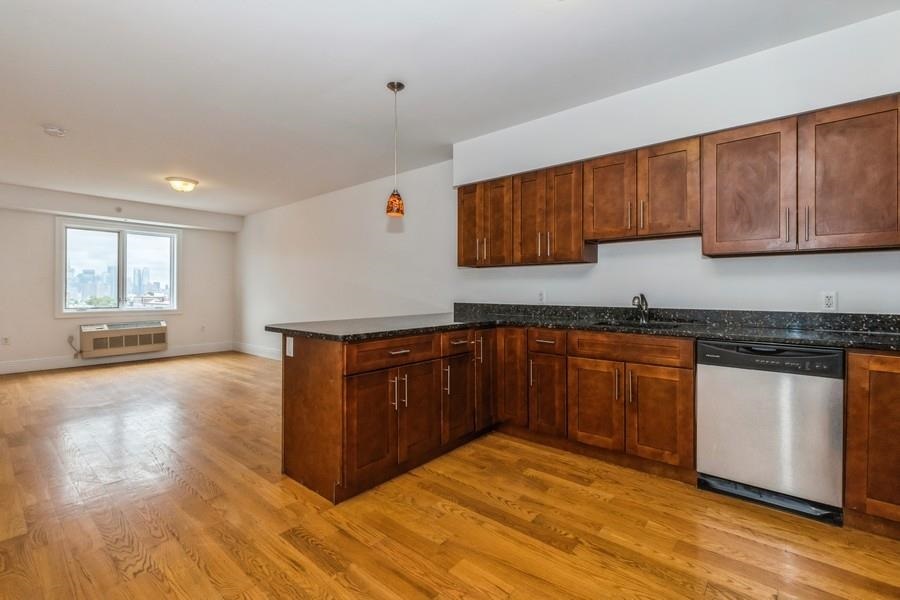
(399,352)
(540,341)
(458,342)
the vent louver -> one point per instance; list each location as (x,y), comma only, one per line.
(114,339)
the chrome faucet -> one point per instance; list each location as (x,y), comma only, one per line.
(640,303)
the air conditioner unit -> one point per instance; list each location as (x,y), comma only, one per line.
(114,339)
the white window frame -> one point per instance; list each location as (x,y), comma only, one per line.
(122,228)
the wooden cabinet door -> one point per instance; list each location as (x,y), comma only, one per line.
(668,188)
(483,359)
(419,426)
(497,223)
(529,207)
(468,248)
(848,176)
(610,192)
(547,394)
(564,217)
(457,397)
(372,404)
(511,387)
(596,402)
(873,434)
(659,414)
(749,181)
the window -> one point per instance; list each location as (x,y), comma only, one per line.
(112,267)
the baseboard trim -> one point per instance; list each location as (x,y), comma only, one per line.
(256,350)
(66,362)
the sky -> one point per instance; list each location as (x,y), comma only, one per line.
(88,249)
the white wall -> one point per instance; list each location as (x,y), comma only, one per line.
(335,256)
(850,63)
(38,339)
(339,256)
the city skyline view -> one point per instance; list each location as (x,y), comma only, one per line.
(92,270)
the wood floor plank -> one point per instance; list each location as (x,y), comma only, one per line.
(161,479)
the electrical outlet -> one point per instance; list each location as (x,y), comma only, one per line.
(4,341)
(828,301)
(542,297)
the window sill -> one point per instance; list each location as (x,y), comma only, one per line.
(118,314)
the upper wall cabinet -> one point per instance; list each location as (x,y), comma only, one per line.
(848,179)
(668,188)
(485,224)
(749,181)
(610,197)
(547,217)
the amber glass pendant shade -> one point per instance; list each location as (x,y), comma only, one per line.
(395,205)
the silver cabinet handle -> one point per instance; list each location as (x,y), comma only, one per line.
(539,341)
(617,383)
(787,226)
(485,249)
(628,215)
(480,349)
(641,216)
(807,223)
(447,370)
(405,390)
(539,244)
(458,342)
(549,248)
(399,352)
(396,385)
(630,398)
(477,251)
(530,373)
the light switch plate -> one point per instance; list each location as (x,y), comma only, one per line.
(289,347)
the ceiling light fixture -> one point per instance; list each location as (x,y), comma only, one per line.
(182,184)
(395,201)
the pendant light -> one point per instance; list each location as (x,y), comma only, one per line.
(395,201)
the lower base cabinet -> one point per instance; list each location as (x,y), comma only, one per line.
(659,414)
(596,402)
(547,394)
(484,360)
(872,477)
(393,416)
(511,379)
(457,414)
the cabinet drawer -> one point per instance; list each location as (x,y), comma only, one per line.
(456,342)
(548,341)
(380,354)
(631,347)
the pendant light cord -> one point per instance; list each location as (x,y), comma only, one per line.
(396,137)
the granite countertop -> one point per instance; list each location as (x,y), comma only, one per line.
(877,332)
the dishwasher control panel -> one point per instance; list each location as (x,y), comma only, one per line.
(782,358)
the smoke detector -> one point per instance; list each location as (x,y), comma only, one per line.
(55,130)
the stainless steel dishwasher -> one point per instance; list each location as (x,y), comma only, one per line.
(770,425)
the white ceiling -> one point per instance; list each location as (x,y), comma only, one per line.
(269,102)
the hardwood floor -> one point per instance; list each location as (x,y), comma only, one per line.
(161,479)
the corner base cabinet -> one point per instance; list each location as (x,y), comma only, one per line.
(872,477)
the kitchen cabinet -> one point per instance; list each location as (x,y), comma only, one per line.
(484,367)
(633,394)
(596,402)
(848,176)
(511,385)
(393,416)
(485,223)
(659,414)
(872,476)
(548,217)
(610,197)
(547,394)
(749,182)
(668,188)
(458,398)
